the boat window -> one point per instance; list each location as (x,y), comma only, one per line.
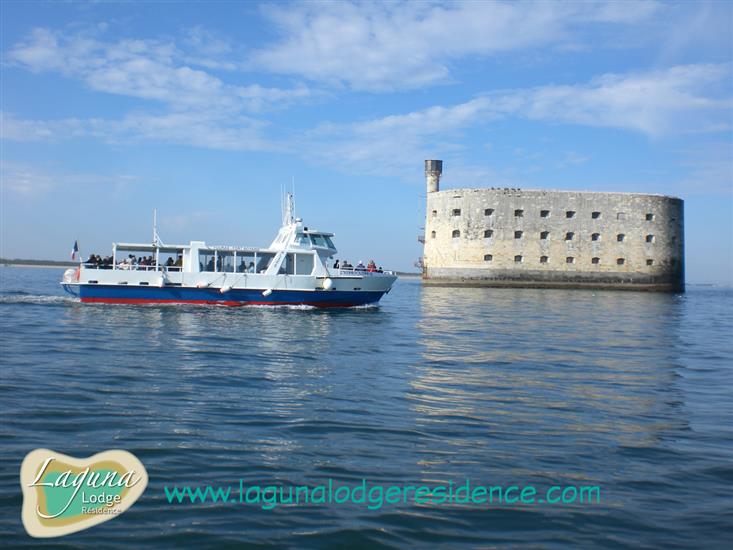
(245,262)
(303,264)
(297,264)
(288,266)
(139,259)
(317,240)
(322,240)
(168,260)
(302,240)
(263,261)
(207,261)
(225,262)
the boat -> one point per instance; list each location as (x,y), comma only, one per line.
(296,269)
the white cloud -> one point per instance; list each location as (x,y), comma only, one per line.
(17,129)
(673,100)
(657,103)
(194,128)
(371,46)
(30,181)
(199,108)
(203,130)
(147,69)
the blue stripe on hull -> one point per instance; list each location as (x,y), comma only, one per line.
(153,294)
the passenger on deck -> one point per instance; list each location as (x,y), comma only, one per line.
(179,261)
(360,266)
(251,268)
(371,266)
(336,264)
(210,265)
(169,261)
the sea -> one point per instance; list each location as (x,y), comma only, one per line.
(627,392)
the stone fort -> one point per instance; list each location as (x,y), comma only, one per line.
(543,238)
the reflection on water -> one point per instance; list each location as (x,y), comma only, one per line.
(628,391)
(551,363)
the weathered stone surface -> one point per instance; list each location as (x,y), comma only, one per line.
(471,238)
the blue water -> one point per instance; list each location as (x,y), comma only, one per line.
(632,392)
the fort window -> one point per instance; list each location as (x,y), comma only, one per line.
(488,212)
(544,235)
(595,237)
(488,233)
(519,213)
(595,261)
(543,259)
(620,237)
(595,215)
(620,261)
(650,262)
(650,218)
(456,211)
(432,234)
(435,213)
(570,214)
(456,234)
(569,236)
(488,257)
(518,234)
(544,213)
(621,216)
(569,260)
(518,259)
(650,238)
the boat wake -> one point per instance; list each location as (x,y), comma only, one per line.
(37,299)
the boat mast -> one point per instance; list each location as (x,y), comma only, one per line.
(156,237)
(288,209)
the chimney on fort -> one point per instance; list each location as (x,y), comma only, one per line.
(433,170)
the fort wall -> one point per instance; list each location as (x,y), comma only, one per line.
(543,238)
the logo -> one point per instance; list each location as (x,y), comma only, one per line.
(63,494)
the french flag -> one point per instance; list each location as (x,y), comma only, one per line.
(75,250)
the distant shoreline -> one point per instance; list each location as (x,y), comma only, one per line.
(37,263)
(41,266)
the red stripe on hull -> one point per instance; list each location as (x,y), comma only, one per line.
(231,303)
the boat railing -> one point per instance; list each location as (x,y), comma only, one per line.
(351,271)
(133,267)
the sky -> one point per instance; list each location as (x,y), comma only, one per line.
(205,111)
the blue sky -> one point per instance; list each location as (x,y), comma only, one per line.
(205,110)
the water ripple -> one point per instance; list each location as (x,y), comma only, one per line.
(628,391)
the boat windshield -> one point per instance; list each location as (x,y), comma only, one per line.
(322,240)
